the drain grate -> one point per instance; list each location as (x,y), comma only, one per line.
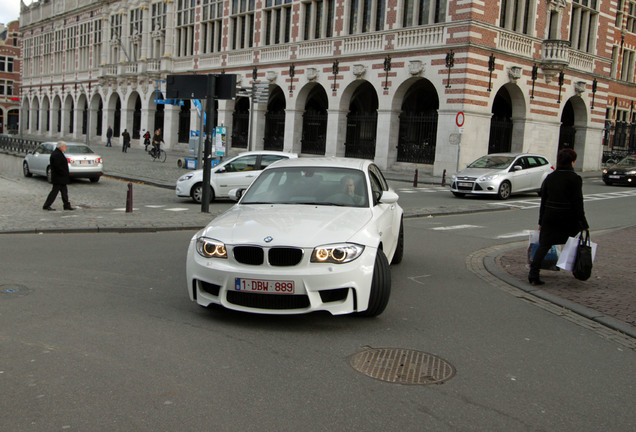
(402,366)
(14,290)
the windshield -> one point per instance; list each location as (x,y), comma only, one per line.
(495,162)
(628,161)
(78,149)
(309,185)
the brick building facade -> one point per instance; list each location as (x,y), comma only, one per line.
(377,79)
(9,77)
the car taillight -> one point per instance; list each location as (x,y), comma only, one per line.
(552,167)
(71,161)
(98,160)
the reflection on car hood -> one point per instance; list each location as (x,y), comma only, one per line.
(478,172)
(287,225)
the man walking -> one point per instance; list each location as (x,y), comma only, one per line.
(60,177)
(126,137)
(109,135)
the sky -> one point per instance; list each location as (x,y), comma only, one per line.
(10,10)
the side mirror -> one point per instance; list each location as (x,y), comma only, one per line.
(388,197)
(517,167)
(236,194)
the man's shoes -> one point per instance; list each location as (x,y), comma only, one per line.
(48,208)
(535,281)
(69,208)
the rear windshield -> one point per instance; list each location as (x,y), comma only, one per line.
(78,149)
(492,162)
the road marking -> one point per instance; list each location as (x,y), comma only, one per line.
(523,233)
(455,227)
(177,209)
(154,206)
(536,203)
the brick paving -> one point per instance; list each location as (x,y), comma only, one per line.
(611,290)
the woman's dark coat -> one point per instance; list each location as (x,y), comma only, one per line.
(561,214)
(59,168)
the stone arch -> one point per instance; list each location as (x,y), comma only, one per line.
(133,114)
(574,118)
(362,120)
(314,119)
(114,113)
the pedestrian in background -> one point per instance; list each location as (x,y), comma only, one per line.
(60,177)
(126,137)
(146,140)
(109,135)
(561,214)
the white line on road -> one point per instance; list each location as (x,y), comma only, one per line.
(455,227)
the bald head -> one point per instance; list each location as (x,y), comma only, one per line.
(62,146)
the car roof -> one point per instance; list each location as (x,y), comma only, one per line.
(325,162)
(55,143)
(515,154)
(269,152)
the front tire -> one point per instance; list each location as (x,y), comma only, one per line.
(197,193)
(380,287)
(26,171)
(504,190)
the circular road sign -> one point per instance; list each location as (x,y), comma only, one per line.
(459,119)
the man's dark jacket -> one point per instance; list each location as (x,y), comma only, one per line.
(59,168)
(561,214)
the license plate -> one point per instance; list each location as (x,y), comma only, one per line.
(464,184)
(614,177)
(85,162)
(264,286)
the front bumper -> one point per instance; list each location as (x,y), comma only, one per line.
(474,187)
(619,178)
(335,288)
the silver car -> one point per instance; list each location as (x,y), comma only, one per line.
(83,162)
(502,174)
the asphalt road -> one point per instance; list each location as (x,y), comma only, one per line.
(100,336)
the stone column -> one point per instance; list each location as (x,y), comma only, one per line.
(258,127)
(386,138)
(293,130)
(171,126)
(336,132)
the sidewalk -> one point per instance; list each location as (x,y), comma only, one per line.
(608,297)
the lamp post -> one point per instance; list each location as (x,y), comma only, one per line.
(561,81)
(335,68)
(535,73)
(450,62)
(491,68)
(387,69)
(292,73)
(594,85)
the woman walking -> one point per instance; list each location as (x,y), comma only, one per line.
(561,214)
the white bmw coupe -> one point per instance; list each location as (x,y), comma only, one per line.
(307,235)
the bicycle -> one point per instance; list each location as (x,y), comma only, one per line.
(157,153)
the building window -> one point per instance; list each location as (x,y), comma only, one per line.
(84,45)
(27,47)
(135,32)
(6,88)
(242,24)
(319,18)
(423,12)
(115,36)
(211,26)
(158,26)
(185,27)
(6,64)
(58,51)
(516,15)
(630,25)
(97,43)
(71,42)
(627,67)
(583,25)
(277,21)
(366,16)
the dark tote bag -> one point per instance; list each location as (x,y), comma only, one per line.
(583,263)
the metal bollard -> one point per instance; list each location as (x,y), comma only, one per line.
(129,199)
(415,179)
(444,178)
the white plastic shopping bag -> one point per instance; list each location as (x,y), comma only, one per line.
(568,253)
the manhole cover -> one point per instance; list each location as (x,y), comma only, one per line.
(13,290)
(402,366)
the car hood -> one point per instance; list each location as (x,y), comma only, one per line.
(287,225)
(620,169)
(478,172)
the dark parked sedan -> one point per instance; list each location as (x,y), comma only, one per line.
(623,173)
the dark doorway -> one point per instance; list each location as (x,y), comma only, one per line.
(500,140)
(567,132)
(184,122)
(275,121)
(362,122)
(117,119)
(136,129)
(418,124)
(314,137)
(241,123)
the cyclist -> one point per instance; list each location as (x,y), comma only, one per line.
(157,139)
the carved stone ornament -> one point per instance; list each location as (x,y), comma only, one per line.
(359,70)
(239,78)
(271,76)
(158,33)
(312,74)
(514,73)
(557,4)
(579,87)
(416,67)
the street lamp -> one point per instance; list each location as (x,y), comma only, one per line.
(450,62)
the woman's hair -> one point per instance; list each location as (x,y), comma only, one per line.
(565,158)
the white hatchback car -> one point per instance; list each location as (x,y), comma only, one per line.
(83,162)
(502,174)
(237,172)
(308,235)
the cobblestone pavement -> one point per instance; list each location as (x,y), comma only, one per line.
(608,297)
